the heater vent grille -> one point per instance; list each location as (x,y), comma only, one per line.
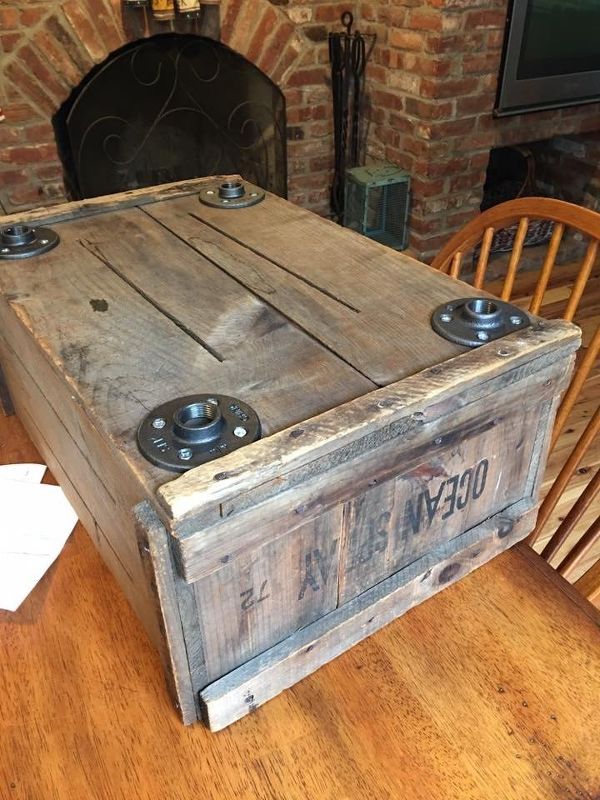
(377,202)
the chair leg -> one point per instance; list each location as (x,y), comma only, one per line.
(6,405)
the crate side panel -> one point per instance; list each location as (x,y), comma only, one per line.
(391,525)
(266,594)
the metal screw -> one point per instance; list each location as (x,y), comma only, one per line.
(483,336)
(159,423)
(5,250)
(213,401)
(446,317)
(240,432)
(253,194)
(224,200)
(185,454)
(209,191)
(43,241)
(516,320)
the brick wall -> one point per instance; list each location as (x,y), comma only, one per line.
(46,48)
(433,88)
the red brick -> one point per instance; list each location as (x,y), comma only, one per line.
(278,44)
(229,21)
(425,110)
(486,18)
(474,104)
(30,88)
(13,177)
(48,48)
(448,88)
(87,34)
(306,77)
(28,154)
(265,27)
(31,16)
(9,19)
(38,67)
(9,41)
(407,40)
(421,20)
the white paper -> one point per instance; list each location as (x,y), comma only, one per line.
(32,473)
(35,522)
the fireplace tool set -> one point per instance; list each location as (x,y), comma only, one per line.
(348,55)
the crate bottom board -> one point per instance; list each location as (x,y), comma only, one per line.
(243,690)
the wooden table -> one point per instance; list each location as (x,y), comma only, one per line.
(488,690)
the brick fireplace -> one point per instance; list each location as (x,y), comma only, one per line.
(431,86)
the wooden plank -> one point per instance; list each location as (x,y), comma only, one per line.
(104,506)
(354,424)
(271,364)
(290,500)
(393,524)
(259,598)
(6,406)
(154,546)
(259,680)
(285,254)
(50,215)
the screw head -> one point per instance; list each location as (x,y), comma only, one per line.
(209,191)
(185,454)
(5,250)
(516,320)
(43,241)
(224,200)
(159,423)
(483,336)
(240,432)
(446,317)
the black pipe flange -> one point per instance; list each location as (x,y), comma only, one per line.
(189,431)
(231,194)
(473,321)
(23,241)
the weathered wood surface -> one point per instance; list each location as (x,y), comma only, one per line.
(139,305)
(487,690)
(350,429)
(61,212)
(244,689)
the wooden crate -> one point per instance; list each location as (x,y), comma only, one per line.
(393,462)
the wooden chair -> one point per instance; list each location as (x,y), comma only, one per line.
(478,237)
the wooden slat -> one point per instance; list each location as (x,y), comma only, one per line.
(586,268)
(264,461)
(580,377)
(261,679)
(566,527)
(484,255)
(547,267)
(388,291)
(515,257)
(456,265)
(564,477)
(580,550)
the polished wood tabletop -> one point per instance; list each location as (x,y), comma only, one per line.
(490,689)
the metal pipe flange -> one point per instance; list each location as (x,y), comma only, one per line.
(231,194)
(473,321)
(23,241)
(189,431)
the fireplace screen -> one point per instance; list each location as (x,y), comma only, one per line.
(169,108)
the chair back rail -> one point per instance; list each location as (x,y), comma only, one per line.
(478,236)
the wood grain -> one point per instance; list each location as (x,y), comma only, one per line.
(474,694)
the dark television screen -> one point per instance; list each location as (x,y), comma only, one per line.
(551,55)
(560,36)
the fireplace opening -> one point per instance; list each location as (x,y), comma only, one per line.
(563,167)
(167,108)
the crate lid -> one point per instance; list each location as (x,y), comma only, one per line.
(152,295)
